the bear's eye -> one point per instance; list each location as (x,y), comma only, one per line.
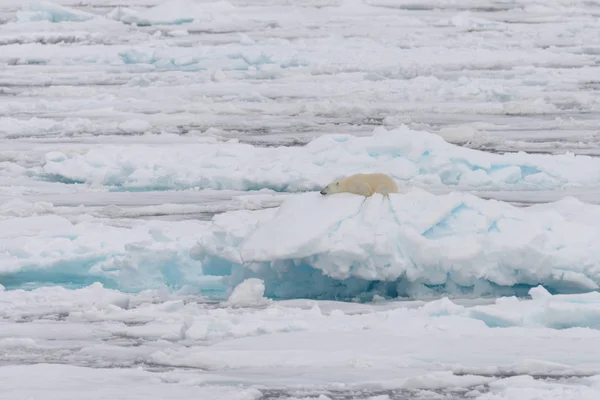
(337,183)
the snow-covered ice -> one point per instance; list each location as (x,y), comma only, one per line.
(162,235)
(342,246)
(48,11)
(173,12)
(493,74)
(411,157)
(407,244)
(194,348)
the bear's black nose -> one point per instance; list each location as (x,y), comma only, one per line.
(322,192)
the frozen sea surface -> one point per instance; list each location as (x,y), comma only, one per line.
(160,234)
(500,75)
(96,343)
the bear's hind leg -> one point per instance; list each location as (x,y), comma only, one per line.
(385,190)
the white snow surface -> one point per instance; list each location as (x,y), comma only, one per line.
(155,240)
(96,336)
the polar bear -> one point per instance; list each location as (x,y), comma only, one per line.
(363,184)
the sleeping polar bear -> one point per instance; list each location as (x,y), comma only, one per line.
(362,184)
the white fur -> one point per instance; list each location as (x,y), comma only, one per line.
(362,184)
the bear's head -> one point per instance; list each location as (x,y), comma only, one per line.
(332,188)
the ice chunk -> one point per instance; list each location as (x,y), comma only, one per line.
(41,250)
(134,125)
(459,134)
(248,293)
(308,229)
(410,157)
(336,247)
(558,311)
(69,381)
(20,208)
(524,107)
(539,292)
(13,127)
(172,12)
(49,300)
(16,342)
(414,241)
(47,11)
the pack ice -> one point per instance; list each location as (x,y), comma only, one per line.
(413,158)
(411,243)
